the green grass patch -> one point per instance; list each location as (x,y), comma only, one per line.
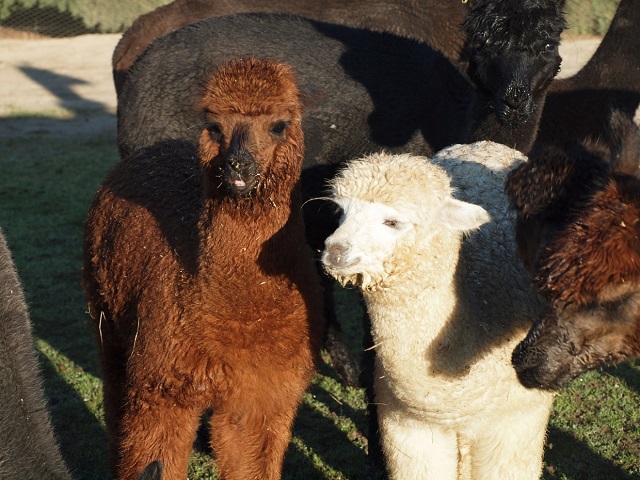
(59,18)
(590,17)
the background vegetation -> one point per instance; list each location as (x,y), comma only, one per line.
(590,17)
(60,18)
(46,185)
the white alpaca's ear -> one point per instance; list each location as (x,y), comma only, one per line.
(462,216)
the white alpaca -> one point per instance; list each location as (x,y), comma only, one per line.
(448,302)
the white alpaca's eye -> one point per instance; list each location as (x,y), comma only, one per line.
(392,223)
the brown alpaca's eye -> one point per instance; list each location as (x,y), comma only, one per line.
(549,48)
(278,128)
(214,131)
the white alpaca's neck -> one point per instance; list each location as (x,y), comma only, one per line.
(414,307)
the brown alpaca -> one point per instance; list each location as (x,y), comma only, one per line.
(203,291)
(578,205)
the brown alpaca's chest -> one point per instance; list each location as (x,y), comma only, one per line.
(230,333)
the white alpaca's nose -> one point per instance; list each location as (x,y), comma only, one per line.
(337,255)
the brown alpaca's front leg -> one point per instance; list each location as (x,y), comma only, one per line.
(153,428)
(113,367)
(249,439)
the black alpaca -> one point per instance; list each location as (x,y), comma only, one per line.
(434,22)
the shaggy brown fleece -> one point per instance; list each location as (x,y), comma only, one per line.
(203,291)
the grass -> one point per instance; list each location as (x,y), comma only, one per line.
(73,17)
(590,17)
(46,185)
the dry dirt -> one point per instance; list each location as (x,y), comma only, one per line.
(70,79)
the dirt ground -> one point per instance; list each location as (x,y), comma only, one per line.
(66,78)
(71,78)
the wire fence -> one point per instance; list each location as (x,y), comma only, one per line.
(67,18)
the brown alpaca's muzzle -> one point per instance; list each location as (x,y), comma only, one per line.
(573,339)
(240,171)
(546,357)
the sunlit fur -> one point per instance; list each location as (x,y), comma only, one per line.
(578,208)
(202,290)
(448,302)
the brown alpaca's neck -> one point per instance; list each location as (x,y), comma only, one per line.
(248,228)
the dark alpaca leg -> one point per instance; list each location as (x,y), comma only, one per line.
(156,428)
(112,360)
(249,436)
(343,360)
(321,215)
(152,472)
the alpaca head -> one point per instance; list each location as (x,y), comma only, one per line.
(590,275)
(390,205)
(253,133)
(512,50)
(587,263)
(549,188)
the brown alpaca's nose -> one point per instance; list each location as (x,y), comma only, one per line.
(239,158)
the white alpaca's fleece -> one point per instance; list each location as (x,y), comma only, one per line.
(431,244)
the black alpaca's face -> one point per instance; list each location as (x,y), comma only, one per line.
(571,340)
(241,149)
(518,81)
(512,48)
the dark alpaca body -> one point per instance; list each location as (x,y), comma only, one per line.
(361,84)
(434,22)
(578,205)
(579,106)
(222,307)
(368,91)
(28,448)
(566,205)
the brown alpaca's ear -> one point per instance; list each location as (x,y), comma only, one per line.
(535,184)
(624,137)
